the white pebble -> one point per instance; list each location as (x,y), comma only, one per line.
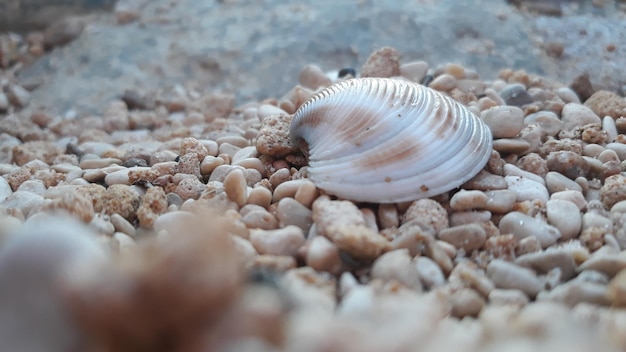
(527,189)
(522,226)
(565,216)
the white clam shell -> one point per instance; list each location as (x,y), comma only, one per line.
(384,141)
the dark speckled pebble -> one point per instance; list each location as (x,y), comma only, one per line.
(516,95)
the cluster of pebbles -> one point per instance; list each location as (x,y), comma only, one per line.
(189,224)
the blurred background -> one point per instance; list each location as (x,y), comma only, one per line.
(92,51)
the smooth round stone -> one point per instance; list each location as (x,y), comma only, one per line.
(97,148)
(486,181)
(236,187)
(5,189)
(468,236)
(467,217)
(576,292)
(555,182)
(443,83)
(24,201)
(465,200)
(37,264)
(515,94)
(527,189)
(606,263)
(291,212)
(323,255)
(283,241)
(548,121)
(507,297)
(313,77)
(565,216)
(397,265)
(287,189)
(306,193)
(593,219)
(504,121)
(619,207)
(593,150)
(522,226)
(567,95)
(506,275)
(429,272)
(511,145)
(500,201)
(544,261)
(388,216)
(466,303)
(619,148)
(414,71)
(33,186)
(574,115)
(260,219)
(608,126)
(512,170)
(575,197)
(122,225)
(172,221)
(607,156)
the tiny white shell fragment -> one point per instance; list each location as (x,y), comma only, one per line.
(385,141)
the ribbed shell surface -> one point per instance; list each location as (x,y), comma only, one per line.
(385,141)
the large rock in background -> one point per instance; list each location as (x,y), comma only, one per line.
(256,48)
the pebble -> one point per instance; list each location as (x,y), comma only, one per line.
(32,264)
(609,127)
(556,182)
(522,226)
(567,163)
(306,193)
(427,212)
(153,204)
(236,187)
(485,181)
(609,264)
(504,121)
(508,297)
(500,201)
(575,292)
(527,189)
(512,170)
(544,261)
(574,115)
(511,146)
(466,303)
(260,196)
(515,94)
(122,225)
(468,237)
(284,241)
(429,272)
(387,215)
(506,275)
(618,148)
(466,200)
(414,71)
(384,62)
(613,190)
(548,121)
(24,201)
(443,83)
(121,199)
(565,216)
(468,217)
(605,103)
(343,223)
(616,291)
(323,255)
(311,76)
(291,212)
(101,225)
(397,265)
(273,138)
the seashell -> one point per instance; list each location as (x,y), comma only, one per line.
(384,141)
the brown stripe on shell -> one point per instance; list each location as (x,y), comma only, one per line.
(407,148)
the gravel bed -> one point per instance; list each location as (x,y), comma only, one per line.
(178,221)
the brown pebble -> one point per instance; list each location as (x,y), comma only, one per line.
(466,303)
(313,77)
(236,187)
(153,204)
(605,103)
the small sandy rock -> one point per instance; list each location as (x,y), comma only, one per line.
(428,212)
(605,103)
(568,163)
(273,138)
(384,62)
(153,204)
(613,190)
